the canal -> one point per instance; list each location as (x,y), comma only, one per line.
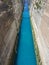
(26,52)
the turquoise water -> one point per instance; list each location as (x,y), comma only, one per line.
(26,52)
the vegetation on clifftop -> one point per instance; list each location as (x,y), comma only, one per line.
(38,4)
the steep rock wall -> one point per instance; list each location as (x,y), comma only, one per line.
(9,28)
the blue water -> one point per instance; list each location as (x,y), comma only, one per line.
(26,52)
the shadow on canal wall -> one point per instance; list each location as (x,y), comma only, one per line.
(9,29)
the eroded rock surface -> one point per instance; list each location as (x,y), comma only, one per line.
(9,28)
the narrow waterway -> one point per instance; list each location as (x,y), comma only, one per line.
(26,52)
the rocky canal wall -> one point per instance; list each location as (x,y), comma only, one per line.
(10,19)
(39,21)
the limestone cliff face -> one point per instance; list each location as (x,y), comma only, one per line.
(40,21)
(37,7)
(10,17)
(44,27)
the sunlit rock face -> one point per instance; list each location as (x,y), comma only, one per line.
(10,16)
(44,28)
(37,6)
(45,24)
(41,19)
